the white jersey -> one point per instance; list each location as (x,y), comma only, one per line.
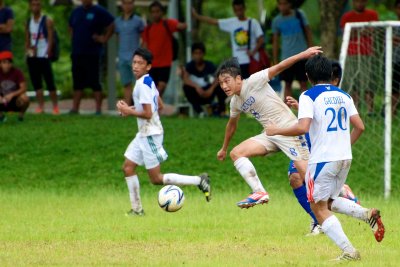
(42,46)
(239,31)
(330,109)
(145,92)
(259,99)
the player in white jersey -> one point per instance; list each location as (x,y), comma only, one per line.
(256,97)
(326,112)
(147,147)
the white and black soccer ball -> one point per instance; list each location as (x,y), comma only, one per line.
(171,198)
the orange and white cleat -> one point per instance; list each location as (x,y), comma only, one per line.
(253,199)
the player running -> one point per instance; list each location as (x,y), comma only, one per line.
(256,97)
(326,112)
(146,148)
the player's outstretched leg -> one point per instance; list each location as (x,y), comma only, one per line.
(374,220)
(205,185)
(253,199)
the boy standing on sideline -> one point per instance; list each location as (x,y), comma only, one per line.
(326,112)
(12,88)
(147,147)
(256,97)
(39,46)
(128,27)
(238,28)
(158,39)
(291,27)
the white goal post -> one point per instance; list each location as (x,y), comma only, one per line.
(369,57)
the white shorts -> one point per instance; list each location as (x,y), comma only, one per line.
(325,180)
(295,147)
(147,151)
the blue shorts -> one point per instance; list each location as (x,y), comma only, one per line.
(125,72)
(292,169)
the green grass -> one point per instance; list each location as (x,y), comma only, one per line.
(63,198)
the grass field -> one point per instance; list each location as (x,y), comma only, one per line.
(63,199)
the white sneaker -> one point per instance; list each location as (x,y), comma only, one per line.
(315,229)
(349,256)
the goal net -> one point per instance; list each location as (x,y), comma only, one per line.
(370,58)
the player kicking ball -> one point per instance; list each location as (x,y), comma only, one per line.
(256,97)
(326,112)
(297,184)
(147,147)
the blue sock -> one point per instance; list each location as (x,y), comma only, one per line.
(301,195)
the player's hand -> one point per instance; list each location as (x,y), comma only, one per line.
(99,38)
(194,13)
(7,98)
(221,155)
(312,51)
(292,103)
(123,108)
(271,129)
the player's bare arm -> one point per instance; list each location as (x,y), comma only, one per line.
(127,110)
(302,127)
(358,128)
(287,63)
(202,18)
(229,132)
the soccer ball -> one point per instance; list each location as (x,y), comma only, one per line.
(171,198)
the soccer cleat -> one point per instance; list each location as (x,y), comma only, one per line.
(253,199)
(56,110)
(349,256)
(39,110)
(134,213)
(205,186)
(315,229)
(375,222)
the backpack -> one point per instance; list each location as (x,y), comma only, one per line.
(175,43)
(56,40)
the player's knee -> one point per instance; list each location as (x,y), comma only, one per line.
(128,170)
(235,154)
(22,102)
(295,180)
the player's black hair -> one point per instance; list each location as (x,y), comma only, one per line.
(230,66)
(200,46)
(145,54)
(337,70)
(319,69)
(157,4)
(238,3)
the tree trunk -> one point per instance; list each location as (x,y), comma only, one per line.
(330,16)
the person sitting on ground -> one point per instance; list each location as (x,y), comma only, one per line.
(200,87)
(12,88)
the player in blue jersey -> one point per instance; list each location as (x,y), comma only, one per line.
(326,112)
(297,184)
(147,148)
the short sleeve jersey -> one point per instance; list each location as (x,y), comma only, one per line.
(9,82)
(159,42)
(203,78)
(145,92)
(359,44)
(39,40)
(6,14)
(259,99)
(239,32)
(293,40)
(85,22)
(129,31)
(330,109)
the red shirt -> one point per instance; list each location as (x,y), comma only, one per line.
(9,82)
(359,44)
(158,41)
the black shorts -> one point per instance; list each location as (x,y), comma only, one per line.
(296,72)
(160,74)
(11,106)
(41,68)
(86,72)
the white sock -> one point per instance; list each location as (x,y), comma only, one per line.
(249,174)
(179,179)
(333,229)
(134,192)
(350,208)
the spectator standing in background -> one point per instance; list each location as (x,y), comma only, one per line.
(128,27)
(39,45)
(157,37)
(238,28)
(361,44)
(12,88)
(6,26)
(91,26)
(200,87)
(292,28)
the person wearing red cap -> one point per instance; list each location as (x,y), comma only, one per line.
(12,88)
